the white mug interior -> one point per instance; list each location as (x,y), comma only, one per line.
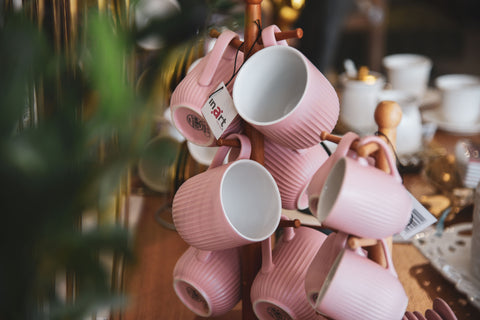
(250,200)
(331,190)
(270,85)
(328,279)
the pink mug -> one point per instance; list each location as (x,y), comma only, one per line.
(318,179)
(208,282)
(228,205)
(358,288)
(284,96)
(362,200)
(193,91)
(322,263)
(293,170)
(278,289)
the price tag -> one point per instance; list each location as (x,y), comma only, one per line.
(420,219)
(219,110)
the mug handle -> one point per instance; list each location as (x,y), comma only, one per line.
(388,258)
(386,150)
(220,48)
(245,150)
(344,145)
(267,260)
(341,151)
(340,243)
(268,37)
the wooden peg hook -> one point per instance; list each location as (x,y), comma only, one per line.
(289,34)
(363,150)
(229,142)
(290,223)
(283,35)
(355,243)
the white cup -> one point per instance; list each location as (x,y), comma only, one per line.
(156,166)
(169,128)
(408,72)
(409,131)
(358,102)
(202,155)
(460,98)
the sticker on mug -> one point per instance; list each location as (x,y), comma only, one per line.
(196,296)
(198,124)
(219,110)
(420,219)
(278,314)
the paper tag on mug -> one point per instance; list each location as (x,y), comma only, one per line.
(420,219)
(219,110)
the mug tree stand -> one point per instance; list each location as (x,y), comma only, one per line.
(387,116)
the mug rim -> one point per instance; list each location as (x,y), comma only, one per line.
(330,276)
(400,60)
(245,66)
(275,302)
(198,155)
(274,189)
(193,284)
(332,273)
(457,82)
(340,167)
(186,133)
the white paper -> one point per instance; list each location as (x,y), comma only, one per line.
(219,110)
(420,219)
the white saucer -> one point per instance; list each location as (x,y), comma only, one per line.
(460,129)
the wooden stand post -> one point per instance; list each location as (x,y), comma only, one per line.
(251,255)
(387,116)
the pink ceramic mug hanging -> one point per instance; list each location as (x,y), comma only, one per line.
(322,263)
(208,282)
(284,96)
(228,205)
(362,200)
(292,170)
(318,179)
(278,289)
(358,288)
(193,91)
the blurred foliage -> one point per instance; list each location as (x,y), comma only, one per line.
(71,125)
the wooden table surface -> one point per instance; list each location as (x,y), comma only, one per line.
(149,280)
